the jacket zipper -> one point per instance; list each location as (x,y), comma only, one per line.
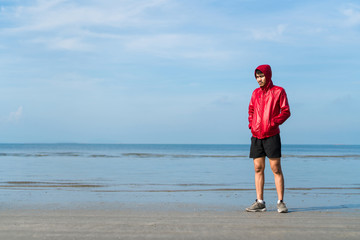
(261,112)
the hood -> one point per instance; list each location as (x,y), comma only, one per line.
(266,69)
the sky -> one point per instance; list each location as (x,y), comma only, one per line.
(175,71)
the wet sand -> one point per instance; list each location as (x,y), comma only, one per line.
(171,224)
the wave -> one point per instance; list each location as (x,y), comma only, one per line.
(190,187)
(122,155)
(323,156)
(35,184)
(159,155)
(152,155)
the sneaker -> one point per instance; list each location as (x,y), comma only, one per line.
(282,207)
(256,207)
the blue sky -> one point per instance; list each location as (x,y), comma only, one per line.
(175,71)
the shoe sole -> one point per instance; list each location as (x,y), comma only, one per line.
(257,210)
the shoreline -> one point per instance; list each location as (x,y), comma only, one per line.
(178,206)
(171,224)
(226,201)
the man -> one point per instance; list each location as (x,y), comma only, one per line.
(268,109)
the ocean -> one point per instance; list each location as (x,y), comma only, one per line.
(317,177)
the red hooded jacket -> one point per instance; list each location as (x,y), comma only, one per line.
(268,107)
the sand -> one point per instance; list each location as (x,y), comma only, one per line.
(171,224)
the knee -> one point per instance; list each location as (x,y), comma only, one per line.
(259,169)
(276,170)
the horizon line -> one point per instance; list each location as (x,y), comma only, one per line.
(92,143)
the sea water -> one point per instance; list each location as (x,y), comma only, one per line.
(317,177)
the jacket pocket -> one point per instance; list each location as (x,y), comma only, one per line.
(273,125)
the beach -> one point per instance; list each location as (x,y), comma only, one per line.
(172,224)
(84,191)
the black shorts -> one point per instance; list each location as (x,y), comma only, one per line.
(268,147)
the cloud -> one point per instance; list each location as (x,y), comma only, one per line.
(187,46)
(15,116)
(269,34)
(63,14)
(64,43)
(223,101)
(167,29)
(87,25)
(352,14)
(309,23)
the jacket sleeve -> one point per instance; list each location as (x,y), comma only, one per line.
(284,109)
(251,109)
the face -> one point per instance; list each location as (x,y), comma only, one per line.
(260,78)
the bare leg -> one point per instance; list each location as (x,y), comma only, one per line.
(275,164)
(259,166)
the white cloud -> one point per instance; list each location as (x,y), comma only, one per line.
(223,100)
(15,116)
(269,34)
(352,15)
(63,14)
(64,43)
(162,28)
(67,25)
(178,45)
